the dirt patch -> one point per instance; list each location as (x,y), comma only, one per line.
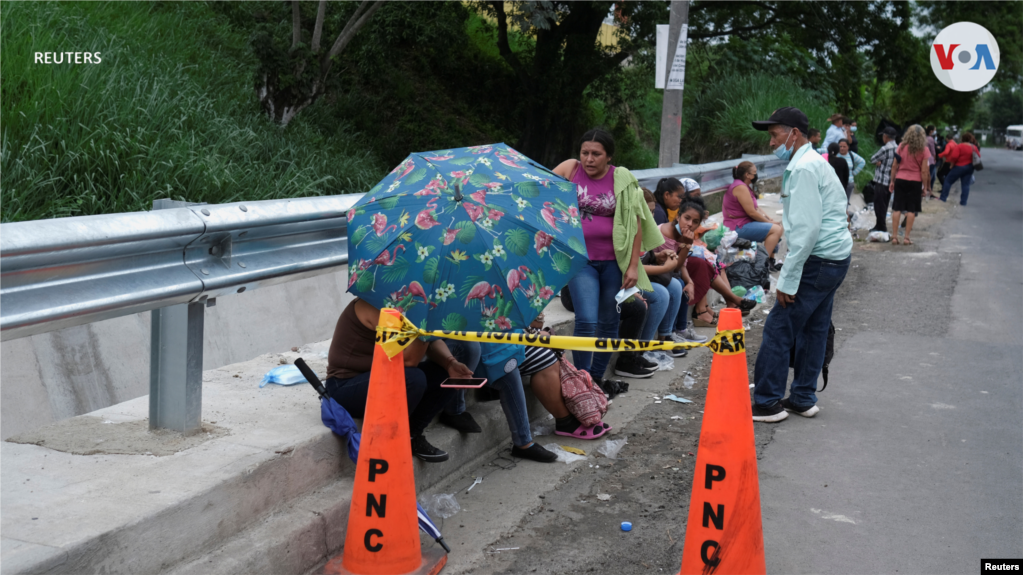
(89,435)
(579,528)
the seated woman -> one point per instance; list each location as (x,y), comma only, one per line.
(667,197)
(741,213)
(351,357)
(544,371)
(697,272)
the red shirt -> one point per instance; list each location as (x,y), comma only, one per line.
(959,154)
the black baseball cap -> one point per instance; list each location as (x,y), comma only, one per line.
(890,132)
(792,117)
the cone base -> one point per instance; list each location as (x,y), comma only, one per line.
(434,560)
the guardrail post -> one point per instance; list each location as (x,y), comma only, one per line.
(175,365)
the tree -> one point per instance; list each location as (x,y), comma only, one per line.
(288,80)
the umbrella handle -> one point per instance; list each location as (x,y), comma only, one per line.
(310,376)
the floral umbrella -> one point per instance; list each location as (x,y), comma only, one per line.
(472,239)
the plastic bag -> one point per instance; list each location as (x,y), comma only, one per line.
(688,382)
(739,291)
(283,375)
(876,236)
(563,456)
(443,505)
(545,428)
(611,447)
(664,361)
(863,220)
(713,237)
(729,238)
(756,293)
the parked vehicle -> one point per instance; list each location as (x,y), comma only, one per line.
(1014,137)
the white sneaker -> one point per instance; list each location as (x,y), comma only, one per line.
(812,411)
(688,336)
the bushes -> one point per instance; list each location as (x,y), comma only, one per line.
(168,113)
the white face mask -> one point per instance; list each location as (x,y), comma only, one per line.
(623,295)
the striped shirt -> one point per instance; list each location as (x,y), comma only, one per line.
(885,155)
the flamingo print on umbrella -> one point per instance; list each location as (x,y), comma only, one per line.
(510,239)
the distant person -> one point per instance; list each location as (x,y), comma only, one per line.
(836,131)
(855,162)
(741,213)
(838,164)
(692,188)
(815,138)
(944,151)
(814,219)
(854,144)
(350,360)
(884,158)
(617,228)
(912,180)
(932,162)
(961,158)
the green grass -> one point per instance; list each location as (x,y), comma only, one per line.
(168,113)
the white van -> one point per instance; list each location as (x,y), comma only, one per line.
(1014,137)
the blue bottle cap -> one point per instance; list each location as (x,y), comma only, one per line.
(626,526)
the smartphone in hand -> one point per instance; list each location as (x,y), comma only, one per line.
(464,383)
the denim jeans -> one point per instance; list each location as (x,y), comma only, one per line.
(513,402)
(682,319)
(468,353)
(663,310)
(961,173)
(593,292)
(803,324)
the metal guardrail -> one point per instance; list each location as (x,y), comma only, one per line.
(713,177)
(175,260)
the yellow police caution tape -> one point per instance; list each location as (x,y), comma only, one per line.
(395,335)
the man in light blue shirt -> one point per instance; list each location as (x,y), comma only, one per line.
(836,131)
(819,245)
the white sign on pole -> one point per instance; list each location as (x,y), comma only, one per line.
(677,78)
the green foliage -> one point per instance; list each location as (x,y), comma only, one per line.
(517,240)
(169,113)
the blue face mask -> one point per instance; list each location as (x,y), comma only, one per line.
(677,228)
(781,151)
(853,129)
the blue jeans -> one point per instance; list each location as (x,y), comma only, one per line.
(513,402)
(682,319)
(803,324)
(934,172)
(468,353)
(663,311)
(961,173)
(593,292)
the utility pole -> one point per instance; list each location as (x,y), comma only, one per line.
(671,108)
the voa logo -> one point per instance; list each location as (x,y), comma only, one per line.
(964,56)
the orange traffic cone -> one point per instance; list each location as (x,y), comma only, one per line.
(383,528)
(725,534)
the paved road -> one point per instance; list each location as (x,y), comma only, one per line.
(915,463)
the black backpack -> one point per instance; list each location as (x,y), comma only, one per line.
(829,353)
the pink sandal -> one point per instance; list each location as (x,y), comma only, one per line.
(583,432)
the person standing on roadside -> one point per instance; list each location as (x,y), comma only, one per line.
(836,131)
(883,159)
(818,259)
(814,137)
(855,162)
(911,182)
(617,228)
(854,144)
(961,158)
(932,161)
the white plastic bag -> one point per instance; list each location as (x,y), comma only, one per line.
(443,505)
(611,447)
(879,237)
(283,375)
(863,220)
(728,239)
(563,456)
(664,361)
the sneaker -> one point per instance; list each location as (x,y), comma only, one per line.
(422,449)
(535,452)
(769,414)
(677,352)
(462,422)
(626,366)
(689,336)
(644,362)
(804,411)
